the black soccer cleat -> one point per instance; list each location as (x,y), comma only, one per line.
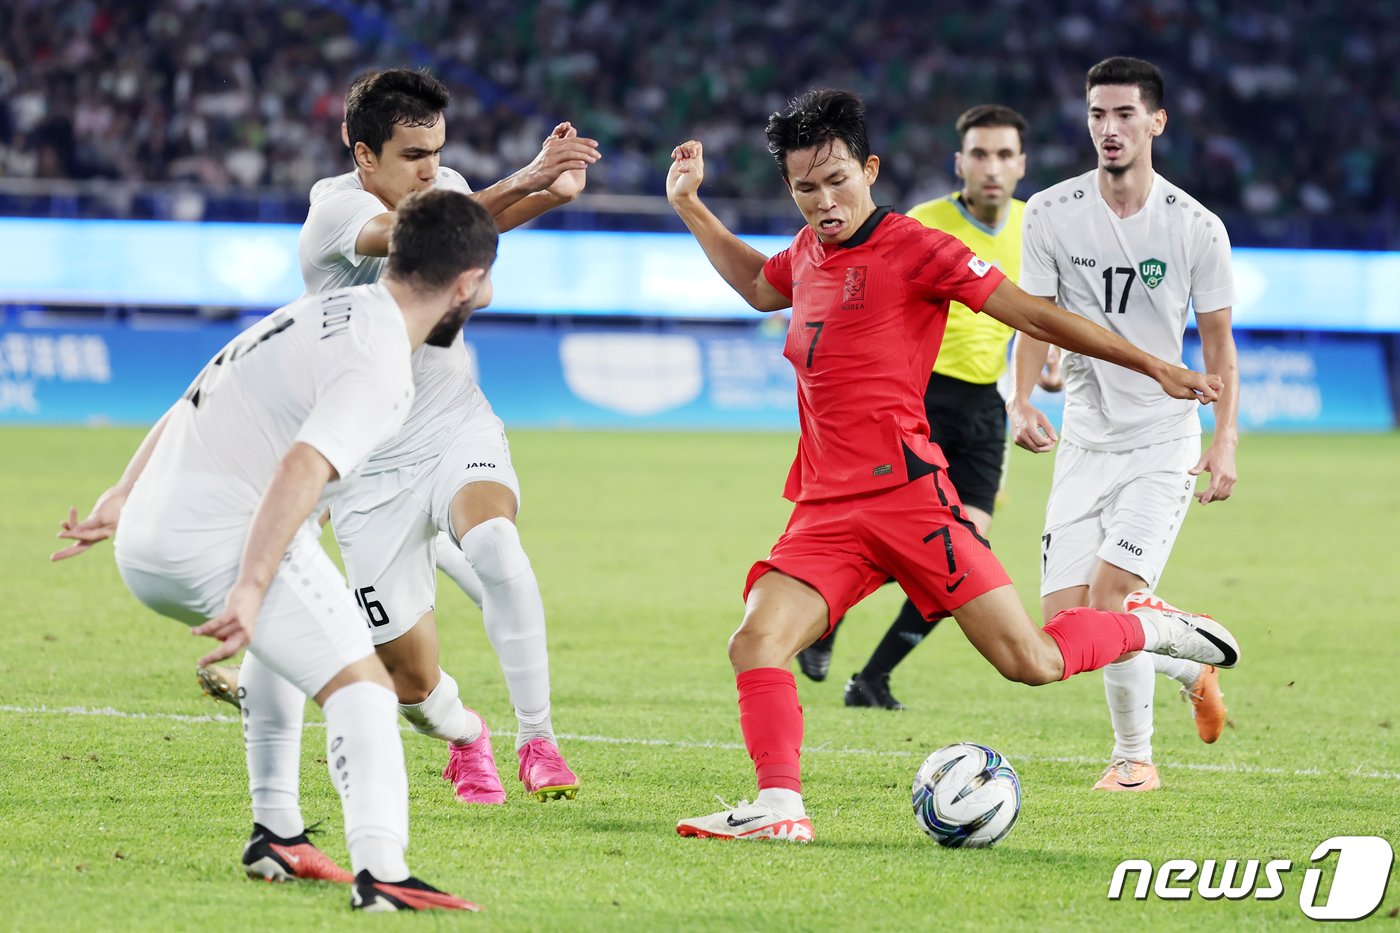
(815,659)
(374,896)
(871,691)
(273,858)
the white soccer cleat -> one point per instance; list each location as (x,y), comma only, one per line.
(747,821)
(1188,635)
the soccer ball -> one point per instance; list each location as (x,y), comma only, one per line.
(966,796)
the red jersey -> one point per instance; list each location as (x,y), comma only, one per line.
(867,320)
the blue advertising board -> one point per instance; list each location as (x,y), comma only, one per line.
(654,275)
(592,377)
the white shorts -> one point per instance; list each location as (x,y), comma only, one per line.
(1122,507)
(308,629)
(387,525)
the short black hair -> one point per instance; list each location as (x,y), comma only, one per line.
(381,100)
(1123,70)
(991,115)
(816,118)
(438,235)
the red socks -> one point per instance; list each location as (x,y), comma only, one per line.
(1093,638)
(772,724)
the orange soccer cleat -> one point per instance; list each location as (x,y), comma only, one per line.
(1130,776)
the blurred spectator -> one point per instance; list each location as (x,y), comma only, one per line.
(1279,107)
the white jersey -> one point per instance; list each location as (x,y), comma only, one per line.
(1136,276)
(446,394)
(331,371)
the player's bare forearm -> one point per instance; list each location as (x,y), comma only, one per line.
(1220,356)
(101,522)
(527,209)
(137,464)
(1044,321)
(1048,323)
(285,505)
(554,177)
(738,263)
(1028,360)
(504,195)
(1030,429)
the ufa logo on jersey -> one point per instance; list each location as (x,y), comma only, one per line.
(855,284)
(1153,271)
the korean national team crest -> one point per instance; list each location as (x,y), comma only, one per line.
(855,284)
(1153,272)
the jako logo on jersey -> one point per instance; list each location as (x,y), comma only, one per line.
(1130,548)
(480,466)
(978,266)
(1153,271)
(1358,883)
(1081,261)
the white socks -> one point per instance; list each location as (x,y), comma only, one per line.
(514,615)
(365,757)
(787,802)
(441,715)
(1178,669)
(451,562)
(272,718)
(1129,686)
(1152,637)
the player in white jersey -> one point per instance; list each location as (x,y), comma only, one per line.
(213,517)
(443,487)
(1128,249)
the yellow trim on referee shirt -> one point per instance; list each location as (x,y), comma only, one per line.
(974,345)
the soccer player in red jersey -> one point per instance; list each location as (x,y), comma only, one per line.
(869,292)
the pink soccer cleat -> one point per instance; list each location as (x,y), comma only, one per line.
(544,773)
(472,770)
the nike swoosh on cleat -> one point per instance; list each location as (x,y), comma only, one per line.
(1230,657)
(733,822)
(953,586)
(1133,784)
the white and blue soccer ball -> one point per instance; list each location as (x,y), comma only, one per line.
(966,796)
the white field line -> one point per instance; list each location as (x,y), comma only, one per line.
(1358,771)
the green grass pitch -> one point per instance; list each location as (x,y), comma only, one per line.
(124,804)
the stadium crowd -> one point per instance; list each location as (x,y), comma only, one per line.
(1278,107)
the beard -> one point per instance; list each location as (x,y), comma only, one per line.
(447,329)
(1121,168)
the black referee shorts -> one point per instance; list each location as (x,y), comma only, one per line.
(968,421)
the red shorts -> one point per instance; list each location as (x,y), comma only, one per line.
(917,534)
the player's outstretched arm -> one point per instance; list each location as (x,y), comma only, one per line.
(101,522)
(1044,321)
(554,177)
(1220,355)
(285,505)
(565,188)
(739,263)
(1030,428)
